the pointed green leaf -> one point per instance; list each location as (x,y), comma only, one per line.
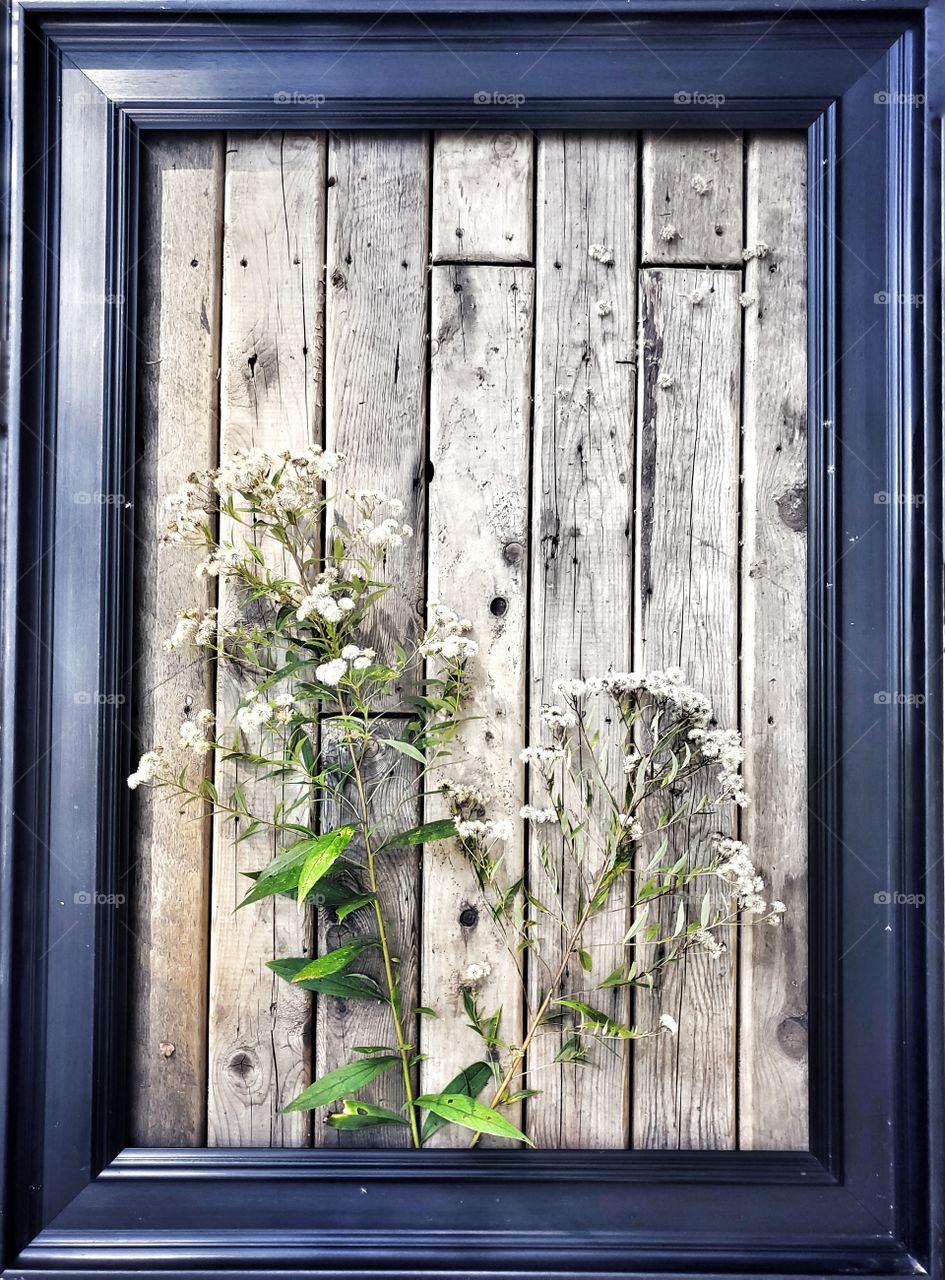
(337,1084)
(323,854)
(470,1082)
(424,834)
(354,904)
(405,748)
(330,963)
(458,1109)
(363,1115)
(346,986)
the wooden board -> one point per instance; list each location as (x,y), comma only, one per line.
(692,185)
(271,397)
(482,196)
(344,1024)
(581,553)
(773,1105)
(478,537)
(375,409)
(687,615)
(182,212)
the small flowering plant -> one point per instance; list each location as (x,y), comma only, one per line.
(626,785)
(631,785)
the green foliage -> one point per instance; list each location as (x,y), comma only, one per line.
(338,1084)
(460,1109)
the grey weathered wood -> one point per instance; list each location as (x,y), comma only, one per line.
(389,780)
(482,196)
(182,211)
(378,245)
(692,182)
(773,962)
(687,615)
(478,537)
(273,251)
(581,555)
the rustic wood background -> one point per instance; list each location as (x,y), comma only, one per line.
(606,461)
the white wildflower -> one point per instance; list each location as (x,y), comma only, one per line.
(569,689)
(152,767)
(474,973)
(760,250)
(254,715)
(668,232)
(184,632)
(206,632)
(558,717)
(193,737)
(633,827)
(542,756)
(531,814)
(746,299)
(700,184)
(665,381)
(603,308)
(736,868)
(330,673)
(707,939)
(669,1023)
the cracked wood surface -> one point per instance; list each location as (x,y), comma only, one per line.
(692,198)
(482,196)
(182,203)
(477,538)
(687,616)
(271,397)
(773,962)
(582,558)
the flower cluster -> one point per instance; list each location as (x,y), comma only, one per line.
(193,628)
(445,636)
(320,602)
(334,671)
(258,712)
(193,733)
(736,868)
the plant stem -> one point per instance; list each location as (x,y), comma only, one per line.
(542,1009)
(392,988)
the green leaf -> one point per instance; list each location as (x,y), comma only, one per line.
(597,1020)
(405,748)
(426,1011)
(322,855)
(457,1108)
(354,904)
(340,958)
(282,873)
(587,964)
(424,834)
(346,986)
(363,1115)
(470,1082)
(343,1081)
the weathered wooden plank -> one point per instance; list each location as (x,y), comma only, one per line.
(389,779)
(273,255)
(482,196)
(692,198)
(581,553)
(687,615)
(182,212)
(773,1106)
(375,409)
(478,532)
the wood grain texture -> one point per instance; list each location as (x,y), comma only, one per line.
(260,1028)
(581,556)
(375,410)
(773,1102)
(478,537)
(483,189)
(692,186)
(182,214)
(687,616)
(389,780)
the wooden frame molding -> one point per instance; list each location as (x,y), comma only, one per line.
(867,1199)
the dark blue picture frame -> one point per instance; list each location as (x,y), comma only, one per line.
(865,80)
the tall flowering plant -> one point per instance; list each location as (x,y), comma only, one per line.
(301,589)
